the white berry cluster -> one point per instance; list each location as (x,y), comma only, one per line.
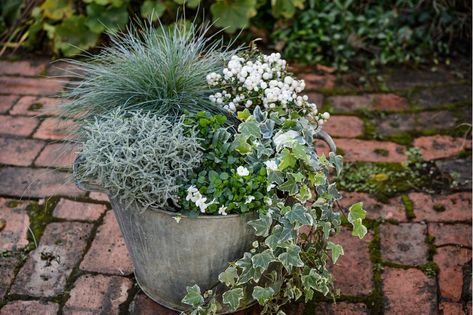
(262,80)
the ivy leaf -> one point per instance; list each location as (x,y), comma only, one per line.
(299,151)
(276,177)
(72,36)
(267,129)
(337,250)
(243,115)
(233,297)
(287,160)
(304,194)
(263,259)
(290,185)
(241,145)
(358,228)
(336,160)
(291,258)
(249,128)
(100,18)
(193,296)
(259,115)
(279,235)
(262,225)
(233,14)
(152,9)
(298,215)
(356,211)
(228,276)
(262,295)
(287,139)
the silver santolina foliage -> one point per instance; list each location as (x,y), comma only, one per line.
(138,156)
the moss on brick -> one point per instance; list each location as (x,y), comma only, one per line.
(40,216)
(439,207)
(409,207)
(381,152)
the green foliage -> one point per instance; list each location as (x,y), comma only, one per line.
(409,206)
(343,32)
(285,264)
(138,157)
(163,71)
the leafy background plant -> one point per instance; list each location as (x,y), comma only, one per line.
(334,33)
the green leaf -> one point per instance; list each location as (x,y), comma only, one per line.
(241,145)
(267,129)
(358,228)
(279,235)
(262,295)
(100,18)
(291,258)
(57,9)
(276,177)
(356,211)
(233,14)
(152,9)
(72,36)
(298,215)
(337,250)
(262,260)
(262,225)
(228,276)
(336,160)
(193,296)
(243,115)
(285,8)
(290,185)
(304,194)
(287,160)
(299,151)
(189,3)
(249,128)
(233,297)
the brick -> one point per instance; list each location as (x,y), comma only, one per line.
(61,155)
(451,234)
(36,183)
(73,210)
(19,152)
(448,308)
(143,305)
(458,170)
(341,308)
(6,102)
(404,243)
(451,260)
(36,106)
(404,78)
(440,146)
(17,126)
(442,208)
(23,68)
(440,96)
(97,295)
(408,291)
(375,102)
(317,82)
(50,264)
(344,126)
(15,232)
(8,266)
(55,129)
(397,123)
(371,151)
(30,86)
(108,253)
(98,196)
(357,258)
(29,307)
(394,209)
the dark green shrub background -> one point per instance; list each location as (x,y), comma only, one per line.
(335,33)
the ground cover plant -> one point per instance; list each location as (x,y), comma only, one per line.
(242,144)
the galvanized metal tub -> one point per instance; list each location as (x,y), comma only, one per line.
(170,255)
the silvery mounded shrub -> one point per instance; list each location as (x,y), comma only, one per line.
(138,156)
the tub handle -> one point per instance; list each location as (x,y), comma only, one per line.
(84,185)
(327,139)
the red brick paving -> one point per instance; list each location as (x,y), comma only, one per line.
(74,210)
(97,295)
(408,292)
(19,152)
(451,260)
(84,266)
(54,129)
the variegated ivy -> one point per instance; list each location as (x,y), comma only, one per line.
(289,261)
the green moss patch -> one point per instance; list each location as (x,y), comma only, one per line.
(409,207)
(40,216)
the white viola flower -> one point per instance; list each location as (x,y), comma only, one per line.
(222,210)
(242,171)
(271,165)
(202,205)
(249,199)
(326,115)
